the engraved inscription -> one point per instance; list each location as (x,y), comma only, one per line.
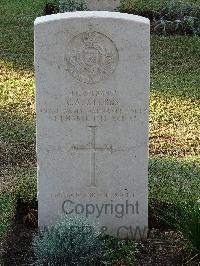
(106,194)
(94,148)
(91,57)
(97,106)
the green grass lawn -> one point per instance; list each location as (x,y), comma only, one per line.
(7,208)
(174,171)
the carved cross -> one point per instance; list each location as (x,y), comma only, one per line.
(93,148)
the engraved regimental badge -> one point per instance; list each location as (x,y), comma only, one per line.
(91,57)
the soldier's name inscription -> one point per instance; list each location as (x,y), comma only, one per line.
(93,106)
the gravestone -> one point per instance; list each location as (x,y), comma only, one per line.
(92,97)
(109,5)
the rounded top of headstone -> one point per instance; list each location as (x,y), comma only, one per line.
(91,14)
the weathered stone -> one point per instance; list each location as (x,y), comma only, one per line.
(92,95)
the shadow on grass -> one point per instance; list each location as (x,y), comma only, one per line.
(172,181)
(18,140)
(17,18)
(175,65)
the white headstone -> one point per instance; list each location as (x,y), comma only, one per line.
(109,5)
(92,97)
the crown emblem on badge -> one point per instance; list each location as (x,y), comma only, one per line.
(88,38)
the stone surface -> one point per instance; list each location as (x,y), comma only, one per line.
(92,98)
(109,5)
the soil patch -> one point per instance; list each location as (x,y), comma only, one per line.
(18,250)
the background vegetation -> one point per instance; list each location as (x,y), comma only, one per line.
(174,170)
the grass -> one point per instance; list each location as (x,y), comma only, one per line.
(174,171)
(175,66)
(188,223)
(149,6)
(120,252)
(174,179)
(7,208)
(174,125)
